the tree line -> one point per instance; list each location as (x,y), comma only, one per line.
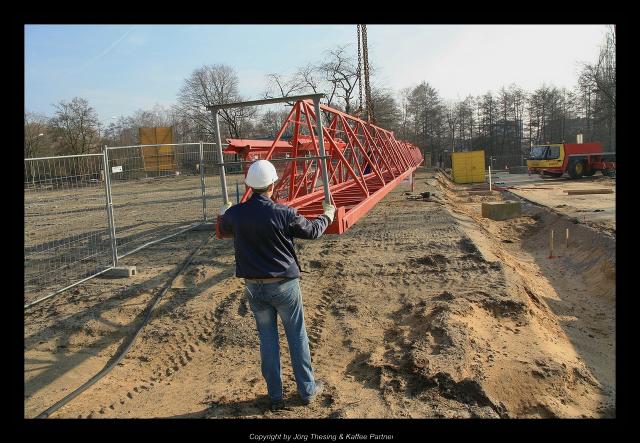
(505,124)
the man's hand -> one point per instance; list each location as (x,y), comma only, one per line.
(329,210)
(224,208)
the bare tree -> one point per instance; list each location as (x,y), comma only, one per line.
(209,85)
(36,132)
(279,85)
(271,123)
(464,116)
(389,115)
(505,107)
(310,78)
(341,76)
(597,85)
(452,123)
(426,112)
(603,72)
(404,113)
(335,76)
(77,126)
(124,130)
(518,101)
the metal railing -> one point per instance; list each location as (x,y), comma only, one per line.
(85,212)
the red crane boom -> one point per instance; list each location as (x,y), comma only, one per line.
(364,163)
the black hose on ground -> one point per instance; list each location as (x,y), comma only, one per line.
(116,359)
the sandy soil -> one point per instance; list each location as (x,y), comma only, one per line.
(422,309)
(597,210)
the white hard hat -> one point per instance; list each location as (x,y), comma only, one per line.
(261,175)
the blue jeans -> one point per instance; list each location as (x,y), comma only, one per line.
(267,301)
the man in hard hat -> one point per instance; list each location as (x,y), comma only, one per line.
(263,233)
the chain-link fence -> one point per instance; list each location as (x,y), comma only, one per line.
(66,235)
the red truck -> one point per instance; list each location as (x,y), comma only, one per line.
(577,159)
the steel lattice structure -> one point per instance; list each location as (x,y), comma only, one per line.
(364,162)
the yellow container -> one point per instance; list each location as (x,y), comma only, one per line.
(158,158)
(468,167)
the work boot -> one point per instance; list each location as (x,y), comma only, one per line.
(277,405)
(317,392)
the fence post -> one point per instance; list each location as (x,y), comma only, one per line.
(107,188)
(202,187)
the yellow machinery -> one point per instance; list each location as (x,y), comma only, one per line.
(159,159)
(468,167)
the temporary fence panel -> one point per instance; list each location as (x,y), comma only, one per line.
(66,228)
(234,177)
(151,205)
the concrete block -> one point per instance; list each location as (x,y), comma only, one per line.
(501,210)
(120,272)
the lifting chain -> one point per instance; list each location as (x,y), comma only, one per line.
(367,86)
(359,111)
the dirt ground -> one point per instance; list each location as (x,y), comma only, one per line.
(598,210)
(422,309)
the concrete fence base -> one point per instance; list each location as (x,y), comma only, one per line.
(120,272)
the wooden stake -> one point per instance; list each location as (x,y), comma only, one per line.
(567,238)
(551,244)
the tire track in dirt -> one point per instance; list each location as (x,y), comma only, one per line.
(177,347)
(175,356)
(333,349)
(318,318)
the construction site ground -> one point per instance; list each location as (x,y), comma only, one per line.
(422,309)
(598,210)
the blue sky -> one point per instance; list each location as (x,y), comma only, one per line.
(123,68)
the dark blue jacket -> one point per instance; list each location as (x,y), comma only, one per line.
(263,233)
